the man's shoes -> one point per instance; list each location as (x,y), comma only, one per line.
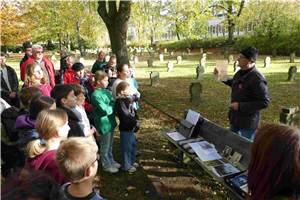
(116,165)
(111,170)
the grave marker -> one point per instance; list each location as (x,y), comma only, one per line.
(200,71)
(170,66)
(195,92)
(288,115)
(267,62)
(150,62)
(161,57)
(292,73)
(179,59)
(154,78)
(292,57)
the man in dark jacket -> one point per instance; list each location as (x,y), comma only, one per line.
(249,94)
(9,83)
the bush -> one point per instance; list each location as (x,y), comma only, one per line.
(283,45)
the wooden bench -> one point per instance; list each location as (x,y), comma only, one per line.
(234,149)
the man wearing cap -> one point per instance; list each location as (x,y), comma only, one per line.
(46,65)
(249,94)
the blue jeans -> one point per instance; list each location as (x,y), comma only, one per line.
(128,149)
(246,133)
(106,145)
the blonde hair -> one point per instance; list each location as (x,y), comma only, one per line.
(75,155)
(47,124)
(30,77)
(99,76)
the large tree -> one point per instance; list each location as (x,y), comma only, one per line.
(116,20)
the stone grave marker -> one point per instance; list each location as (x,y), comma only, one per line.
(201,51)
(150,62)
(188,50)
(202,60)
(161,57)
(267,62)
(165,50)
(292,57)
(200,71)
(170,66)
(135,59)
(236,66)
(179,60)
(195,92)
(172,53)
(287,115)
(154,78)
(230,59)
(292,73)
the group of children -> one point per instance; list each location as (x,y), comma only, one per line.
(55,133)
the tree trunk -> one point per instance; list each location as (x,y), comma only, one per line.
(78,38)
(116,21)
(231,25)
(177,32)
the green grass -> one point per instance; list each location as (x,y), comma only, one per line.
(172,94)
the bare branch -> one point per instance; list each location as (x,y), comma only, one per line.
(241,8)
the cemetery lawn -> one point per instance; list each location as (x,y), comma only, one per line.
(159,175)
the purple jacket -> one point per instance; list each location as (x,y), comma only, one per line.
(26,130)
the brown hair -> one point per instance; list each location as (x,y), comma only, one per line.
(27,94)
(30,77)
(75,155)
(121,87)
(275,161)
(99,76)
(78,89)
(47,124)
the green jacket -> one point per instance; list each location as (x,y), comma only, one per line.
(104,111)
(98,65)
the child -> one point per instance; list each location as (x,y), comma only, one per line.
(128,125)
(105,122)
(124,75)
(66,100)
(52,126)
(78,161)
(36,77)
(79,109)
(66,69)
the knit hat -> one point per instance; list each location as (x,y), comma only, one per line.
(77,66)
(250,53)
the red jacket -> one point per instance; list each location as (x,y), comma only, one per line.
(48,65)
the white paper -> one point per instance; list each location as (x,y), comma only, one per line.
(176,136)
(192,117)
(205,151)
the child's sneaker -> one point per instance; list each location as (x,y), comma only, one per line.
(131,170)
(111,170)
(136,165)
(116,165)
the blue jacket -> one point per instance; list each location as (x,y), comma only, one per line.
(249,89)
